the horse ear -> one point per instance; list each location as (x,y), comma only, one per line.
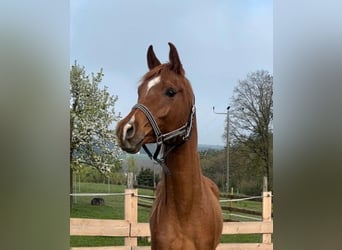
(152,60)
(175,62)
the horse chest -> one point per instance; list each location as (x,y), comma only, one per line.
(170,230)
(175,235)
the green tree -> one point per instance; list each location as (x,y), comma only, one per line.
(145,177)
(132,165)
(245,177)
(92,141)
(246,170)
(251,119)
(213,163)
(90,174)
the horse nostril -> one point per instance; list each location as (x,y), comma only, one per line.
(130,132)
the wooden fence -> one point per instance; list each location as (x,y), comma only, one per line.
(131,229)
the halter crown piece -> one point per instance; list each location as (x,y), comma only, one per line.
(183,131)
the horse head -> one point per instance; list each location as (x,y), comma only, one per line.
(165,102)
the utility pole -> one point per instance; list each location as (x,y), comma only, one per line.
(227,144)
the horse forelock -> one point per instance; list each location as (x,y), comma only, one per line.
(166,73)
(165,76)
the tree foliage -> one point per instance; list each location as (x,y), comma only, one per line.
(244,176)
(90,174)
(132,165)
(145,177)
(92,141)
(251,116)
(213,163)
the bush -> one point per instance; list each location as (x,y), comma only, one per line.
(89,174)
(145,177)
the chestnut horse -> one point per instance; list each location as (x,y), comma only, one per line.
(186,213)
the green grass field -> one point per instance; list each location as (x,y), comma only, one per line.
(114,209)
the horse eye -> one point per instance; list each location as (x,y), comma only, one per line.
(170,92)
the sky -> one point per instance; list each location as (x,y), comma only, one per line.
(219,43)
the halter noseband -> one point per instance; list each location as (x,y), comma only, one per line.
(183,131)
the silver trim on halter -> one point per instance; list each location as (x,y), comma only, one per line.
(183,131)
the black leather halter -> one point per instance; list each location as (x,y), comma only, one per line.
(161,138)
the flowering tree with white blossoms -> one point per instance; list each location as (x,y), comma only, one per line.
(92,142)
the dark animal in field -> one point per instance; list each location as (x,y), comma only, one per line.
(97,201)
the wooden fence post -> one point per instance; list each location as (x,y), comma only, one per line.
(130,180)
(265,184)
(267,214)
(131,214)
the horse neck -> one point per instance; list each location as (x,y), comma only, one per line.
(184,183)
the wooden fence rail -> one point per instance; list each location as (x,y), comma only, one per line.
(131,229)
(224,208)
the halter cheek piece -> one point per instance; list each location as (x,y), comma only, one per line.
(183,131)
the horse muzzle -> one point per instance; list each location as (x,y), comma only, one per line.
(130,139)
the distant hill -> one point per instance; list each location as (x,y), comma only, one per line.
(143,160)
(201,147)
